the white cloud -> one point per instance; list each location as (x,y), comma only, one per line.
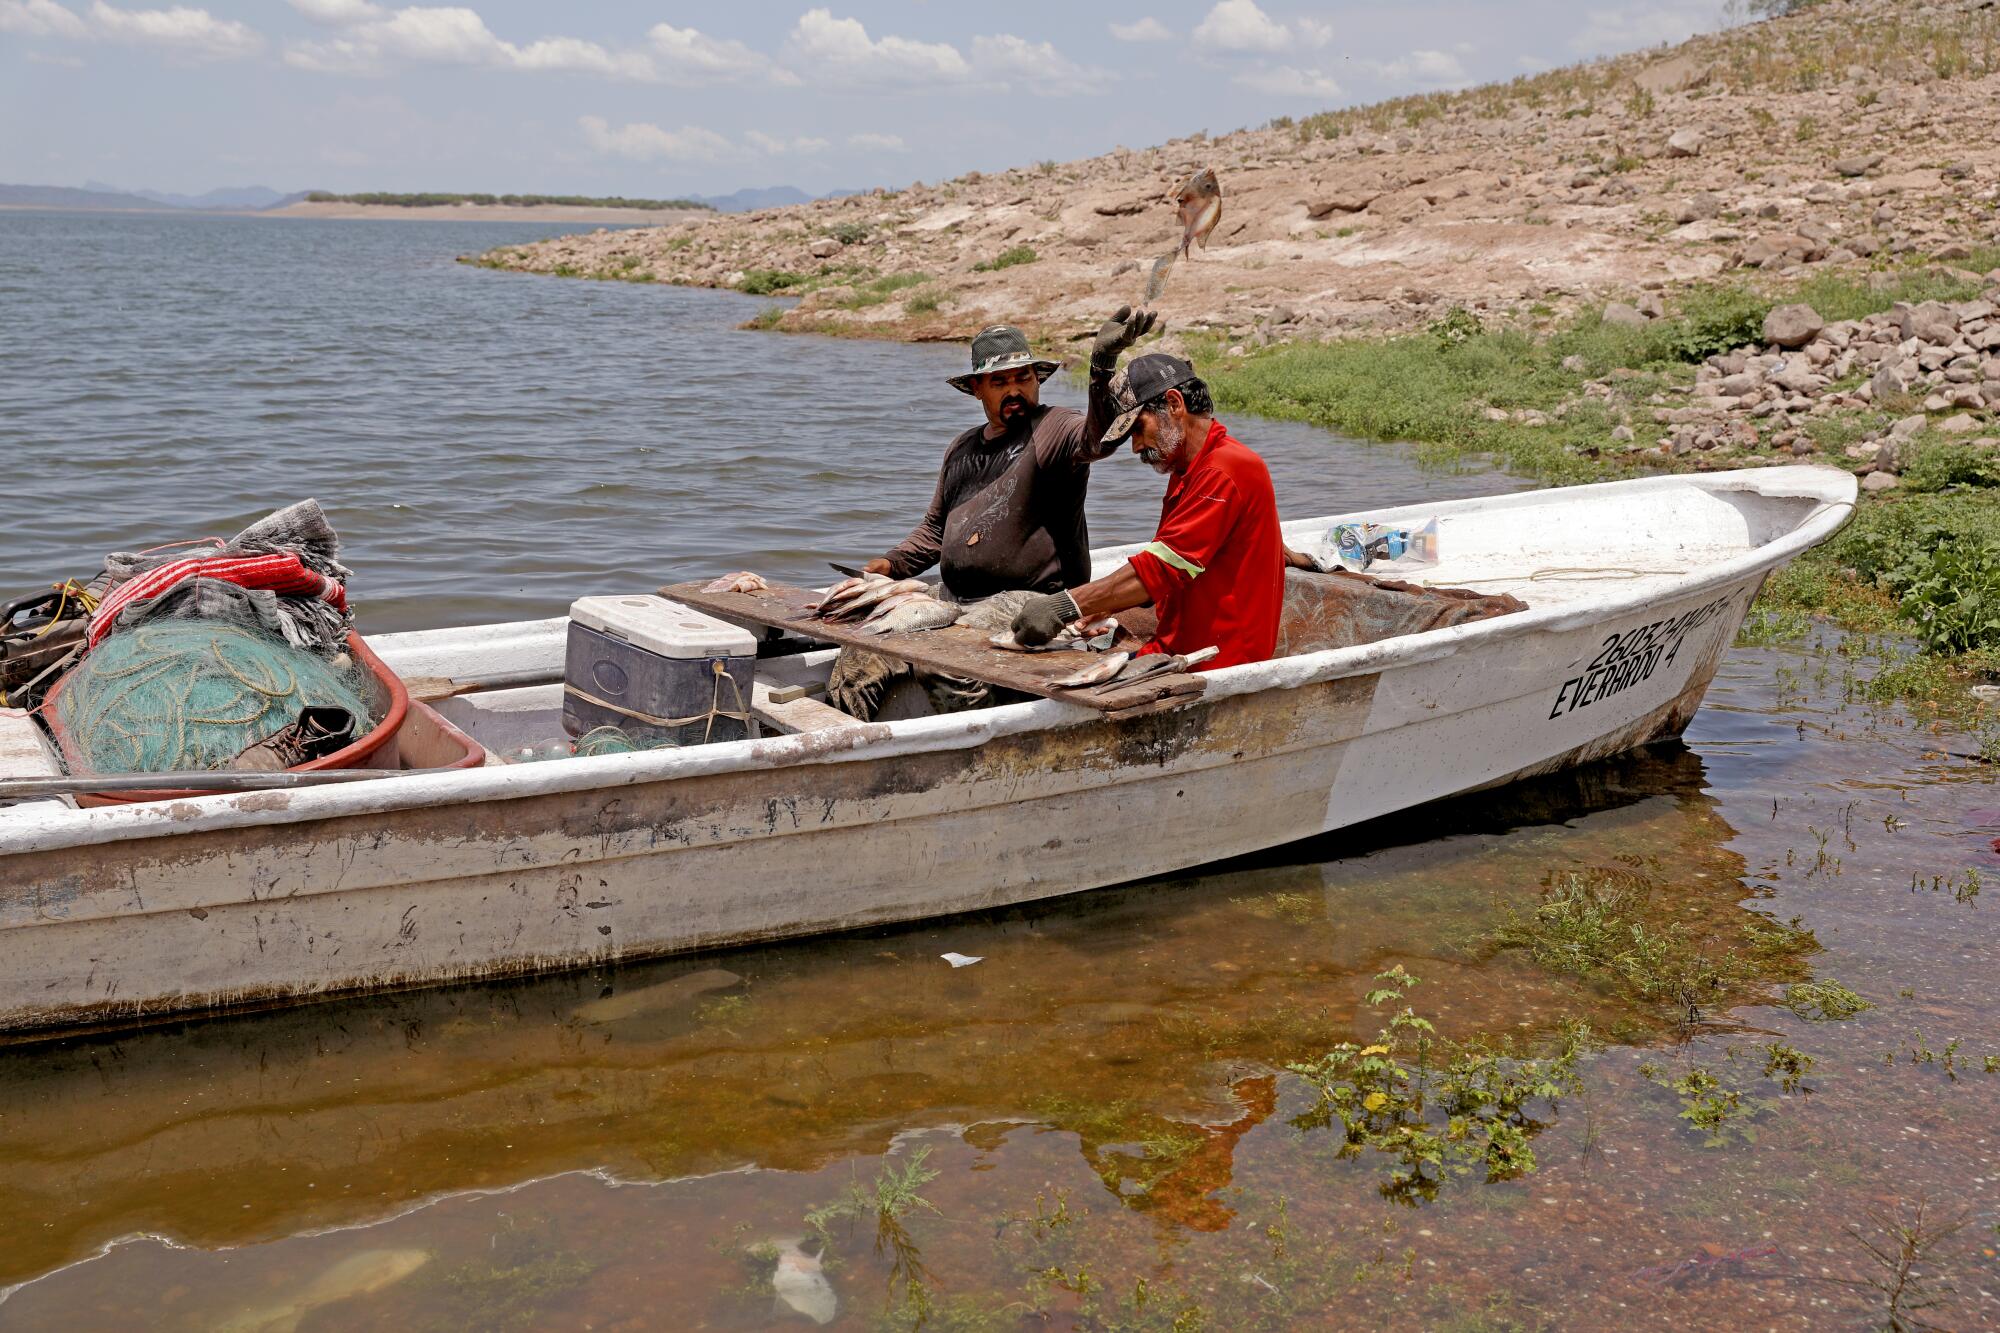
(644,142)
(194,32)
(447,35)
(1315,33)
(1639,25)
(1239,25)
(878,143)
(690,57)
(1438,67)
(576,56)
(840,51)
(1147,29)
(40,18)
(1286,81)
(337,12)
(1037,66)
(770,143)
(60,62)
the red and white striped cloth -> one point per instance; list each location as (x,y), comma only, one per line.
(278,573)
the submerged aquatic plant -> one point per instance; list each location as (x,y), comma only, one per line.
(1903,1247)
(1824,1000)
(1589,925)
(894,1195)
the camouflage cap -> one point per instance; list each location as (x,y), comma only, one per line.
(1142,380)
(1001,347)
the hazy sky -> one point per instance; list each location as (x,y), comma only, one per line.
(607,97)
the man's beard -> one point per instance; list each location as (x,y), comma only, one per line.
(1012,405)
(1171,436)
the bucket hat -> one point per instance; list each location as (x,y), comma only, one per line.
(1001,347)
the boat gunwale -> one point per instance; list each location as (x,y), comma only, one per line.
(31,829)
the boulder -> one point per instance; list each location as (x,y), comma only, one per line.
(1350,200)
(1887,382)
(1930,322)
(1684,143)
(1859,165)
(1796,376)
(826,247)
(1879,481)
(1699,208)
(1624,316)
(1792,325)
(1962,424)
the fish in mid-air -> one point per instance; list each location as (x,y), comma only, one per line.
(1200,205)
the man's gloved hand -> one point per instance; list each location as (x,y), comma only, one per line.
(1118,333)
(1043,616)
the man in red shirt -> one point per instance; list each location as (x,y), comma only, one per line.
(1215,570)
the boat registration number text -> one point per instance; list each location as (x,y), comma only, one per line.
(1630,657)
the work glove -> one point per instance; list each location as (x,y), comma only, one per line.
(1043,616)
(1117,334)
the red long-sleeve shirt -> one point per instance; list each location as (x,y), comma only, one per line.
(1216,567)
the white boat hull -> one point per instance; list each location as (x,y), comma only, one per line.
(112,915)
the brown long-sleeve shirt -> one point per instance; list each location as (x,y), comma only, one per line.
(1008,512)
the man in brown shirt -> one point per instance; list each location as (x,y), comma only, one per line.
(1007,514)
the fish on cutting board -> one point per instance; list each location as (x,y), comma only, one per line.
(921,613)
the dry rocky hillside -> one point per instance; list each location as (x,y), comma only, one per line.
(1851,131)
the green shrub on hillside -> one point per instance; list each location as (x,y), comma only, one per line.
(764,281)
(1020,254)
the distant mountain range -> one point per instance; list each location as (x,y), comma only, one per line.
(98,196)
(242,197)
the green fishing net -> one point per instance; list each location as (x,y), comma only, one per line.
(175,695)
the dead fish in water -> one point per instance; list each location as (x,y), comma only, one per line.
(743,581)
(1199,201)
(1094,674)
(356,1275)
(669,994)
(799,1284)
(921,613)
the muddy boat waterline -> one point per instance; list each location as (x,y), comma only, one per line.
(1634,591)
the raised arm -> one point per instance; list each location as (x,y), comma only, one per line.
(1086,441)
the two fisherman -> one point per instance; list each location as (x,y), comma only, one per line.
(1007,514)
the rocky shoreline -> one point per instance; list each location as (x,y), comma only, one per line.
(1847,135)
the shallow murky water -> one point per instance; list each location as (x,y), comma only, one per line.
(1094,1126)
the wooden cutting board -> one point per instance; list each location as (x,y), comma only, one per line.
(955,649)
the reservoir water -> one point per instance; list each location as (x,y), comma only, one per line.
(489,446)
(1699,1037)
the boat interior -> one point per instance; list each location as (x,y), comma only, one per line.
(494,694)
